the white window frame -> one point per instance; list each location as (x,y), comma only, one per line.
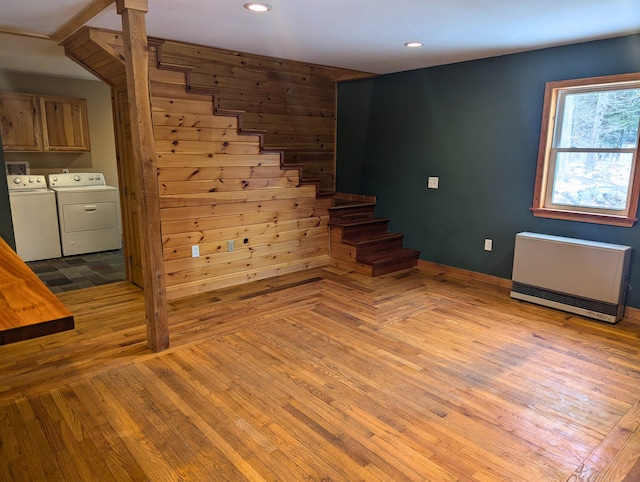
(551,122)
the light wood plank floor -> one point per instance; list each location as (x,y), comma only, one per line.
(325,375)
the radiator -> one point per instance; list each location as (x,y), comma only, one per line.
(583,277)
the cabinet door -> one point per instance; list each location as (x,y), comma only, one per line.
(21,123)
(64,123)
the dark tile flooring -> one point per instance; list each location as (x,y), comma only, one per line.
(80,271)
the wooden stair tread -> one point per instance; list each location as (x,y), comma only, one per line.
(360,240)
(388,256)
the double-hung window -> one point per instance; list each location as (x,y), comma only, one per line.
(588,157)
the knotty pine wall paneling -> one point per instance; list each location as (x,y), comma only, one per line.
(234,134)
(218,185)
(294,103)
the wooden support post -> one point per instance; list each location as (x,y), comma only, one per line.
(137,70)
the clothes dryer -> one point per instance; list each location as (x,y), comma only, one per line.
(88,213)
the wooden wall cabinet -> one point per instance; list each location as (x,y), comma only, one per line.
(44,123)
(21,122)
(64,124)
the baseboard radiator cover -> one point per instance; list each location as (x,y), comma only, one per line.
(574,275)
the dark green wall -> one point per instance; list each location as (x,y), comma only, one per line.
(475,125)
(6,224)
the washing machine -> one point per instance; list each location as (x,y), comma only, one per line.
(88,213)
(35,218)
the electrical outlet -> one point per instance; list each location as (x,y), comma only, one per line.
(488,245)
(195,251)
(432,183)
(231,245)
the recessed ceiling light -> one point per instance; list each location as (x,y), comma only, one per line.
(257,7)
(413,45)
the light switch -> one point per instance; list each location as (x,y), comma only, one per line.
(433,183)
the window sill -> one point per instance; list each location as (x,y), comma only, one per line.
(622,221)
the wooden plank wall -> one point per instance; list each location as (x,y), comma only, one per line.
(294,103)
(218,179)
(217,185)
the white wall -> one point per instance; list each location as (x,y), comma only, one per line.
(102,157)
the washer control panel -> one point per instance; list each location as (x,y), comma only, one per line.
(76,179)
(26,182)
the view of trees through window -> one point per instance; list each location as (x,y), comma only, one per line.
(594,146)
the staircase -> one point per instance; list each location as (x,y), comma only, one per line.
(359,241)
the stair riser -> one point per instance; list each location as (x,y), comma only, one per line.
(354,232)
(344,252)
(360,241)
(378,247)
(346,213)
(349,252)
(351,266)
(397,266)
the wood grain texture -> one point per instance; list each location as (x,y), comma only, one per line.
(28,309)
(325,375)
(64,124)
(216,180)
(144,166)
(43,123)
(294,103)
(128,188)
(99,51)
(20,122)
(216,184)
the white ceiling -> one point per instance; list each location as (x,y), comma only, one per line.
(365,35)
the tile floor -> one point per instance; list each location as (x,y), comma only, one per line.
(80,271)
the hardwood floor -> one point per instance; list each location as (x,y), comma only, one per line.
(325,375)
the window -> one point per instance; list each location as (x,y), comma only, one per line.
(587,162)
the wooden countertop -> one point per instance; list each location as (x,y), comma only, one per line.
(28,308)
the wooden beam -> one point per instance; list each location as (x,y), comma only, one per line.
(137,69)
(79,19)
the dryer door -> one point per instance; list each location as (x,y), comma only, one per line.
(89,216)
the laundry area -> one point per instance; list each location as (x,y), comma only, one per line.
(67,228)
(62,180)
